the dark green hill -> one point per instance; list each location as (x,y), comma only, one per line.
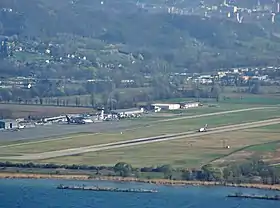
(87,28)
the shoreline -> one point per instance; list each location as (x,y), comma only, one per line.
(7,175)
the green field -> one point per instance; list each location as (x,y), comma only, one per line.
(266,147)
(145,130)
(230,97)
(189,153)
(234,98)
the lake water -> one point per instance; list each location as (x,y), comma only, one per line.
(27,193)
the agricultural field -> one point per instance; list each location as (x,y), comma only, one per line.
(23,111)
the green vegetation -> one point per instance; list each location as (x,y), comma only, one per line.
(142,129)
(272,127)
(255,171)
(183,153)
(267,147)
(252,99)
(102,44)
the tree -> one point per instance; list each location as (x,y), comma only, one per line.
(226,173)
(166,170)
(216,91)
(92,100)
(77,101)
(256,87)
(187,175)
(123,169)
(196,91)
(208,171)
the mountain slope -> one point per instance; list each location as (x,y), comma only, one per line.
(87,28)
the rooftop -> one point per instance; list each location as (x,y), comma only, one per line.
(126,110)
(7,120)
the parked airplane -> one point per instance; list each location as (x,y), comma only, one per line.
(203,129)
(78,120)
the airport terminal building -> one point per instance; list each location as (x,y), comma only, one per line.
(8,124)
(128,112)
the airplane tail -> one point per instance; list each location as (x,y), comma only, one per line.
(206,125)
(68,119)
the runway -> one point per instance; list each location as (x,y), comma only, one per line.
(114,145)
(57,130)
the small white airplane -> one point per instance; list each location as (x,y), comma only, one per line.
(203,129)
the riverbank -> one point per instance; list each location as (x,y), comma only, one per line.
(130,179)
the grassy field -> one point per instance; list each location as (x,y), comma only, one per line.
(152,129)
(19,111)
(231,97)
(251,99)
(268,150)
(180,153)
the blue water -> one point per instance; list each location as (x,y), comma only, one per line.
(25,193)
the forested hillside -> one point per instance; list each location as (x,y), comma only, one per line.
(185,42)
(116,40)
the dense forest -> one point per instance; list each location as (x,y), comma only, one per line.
(118,40)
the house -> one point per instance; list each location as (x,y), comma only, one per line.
(166,106)
(8,124)
(186,105)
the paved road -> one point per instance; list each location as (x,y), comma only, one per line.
(56,130)
(94,148)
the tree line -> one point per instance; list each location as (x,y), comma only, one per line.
(254,171)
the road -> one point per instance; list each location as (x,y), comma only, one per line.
(114,145)
(56,130)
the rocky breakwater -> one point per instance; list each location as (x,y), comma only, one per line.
(97,188)
(253,196)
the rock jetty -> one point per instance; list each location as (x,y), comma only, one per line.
(253,196)
(96,188)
